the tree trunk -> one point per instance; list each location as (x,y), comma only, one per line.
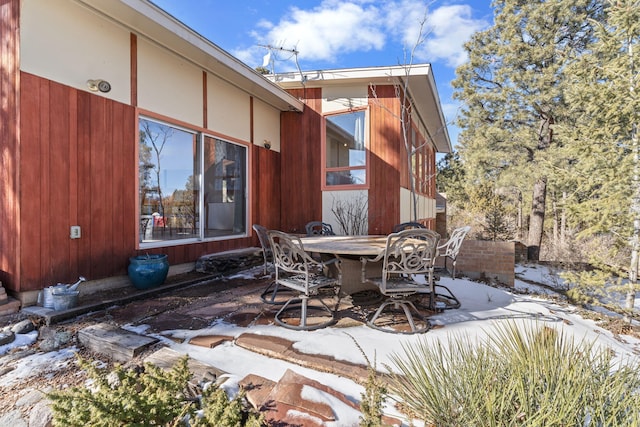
(536,222)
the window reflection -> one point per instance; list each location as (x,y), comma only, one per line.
(345,149)
(168,189)
(224,187)
(169,185)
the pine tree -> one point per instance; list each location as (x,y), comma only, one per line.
(512,90)
(602,141)
(451,177)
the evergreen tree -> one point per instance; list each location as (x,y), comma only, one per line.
(451,177)
(602,141)
(512,90)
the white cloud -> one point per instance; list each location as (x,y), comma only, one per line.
(336,28)
(449,28)
(326,31)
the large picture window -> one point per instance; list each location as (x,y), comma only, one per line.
(191,186)
(345,149)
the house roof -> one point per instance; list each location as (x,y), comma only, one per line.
(145,19)
(421,87)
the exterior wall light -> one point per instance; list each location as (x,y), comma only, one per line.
(99,85)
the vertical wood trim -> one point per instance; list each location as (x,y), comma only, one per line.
(74,178)
(45,171)
(251,153)
(10,209)
(29,223)
(205,100)
(251,120)
(134,68)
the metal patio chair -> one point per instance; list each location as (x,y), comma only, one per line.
(298,271)
(270,293)
(319,228)
(267,254)
(407,226)
(451,248)
(408,254)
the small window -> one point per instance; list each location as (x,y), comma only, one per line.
(345,149)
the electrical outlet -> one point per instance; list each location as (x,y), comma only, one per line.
(75,232)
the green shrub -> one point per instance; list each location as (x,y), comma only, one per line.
(123,397)
(520,377)
(148,397)
(218,411)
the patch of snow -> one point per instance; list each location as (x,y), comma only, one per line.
(21,340)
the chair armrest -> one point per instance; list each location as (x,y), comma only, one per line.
(328,262)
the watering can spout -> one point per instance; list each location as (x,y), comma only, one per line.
(75,285)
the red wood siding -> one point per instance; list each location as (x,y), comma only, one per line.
(78,167)
(265,188)
(301,139)
(386,161)
(9,149)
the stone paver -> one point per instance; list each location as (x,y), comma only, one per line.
(280,348)
(165,358)
(209,341)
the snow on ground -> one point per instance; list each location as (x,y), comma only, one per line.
(483,308)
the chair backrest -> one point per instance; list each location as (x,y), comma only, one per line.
(407,226)
(289,256)
(452,246)
(261,231)
(319,228)
(409,252)
(267,253)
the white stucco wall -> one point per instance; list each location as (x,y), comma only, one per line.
(67,43)
(228,109)
(426,206)
(333,199)
(169,85)
(341,98)
(266,125)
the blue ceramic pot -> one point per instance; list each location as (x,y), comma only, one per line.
(148,271)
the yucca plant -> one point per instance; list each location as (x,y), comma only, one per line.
(520,376)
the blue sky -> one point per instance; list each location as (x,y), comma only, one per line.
(341,33)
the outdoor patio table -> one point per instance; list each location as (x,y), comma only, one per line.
(349,249)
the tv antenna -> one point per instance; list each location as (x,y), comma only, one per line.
(269,59)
